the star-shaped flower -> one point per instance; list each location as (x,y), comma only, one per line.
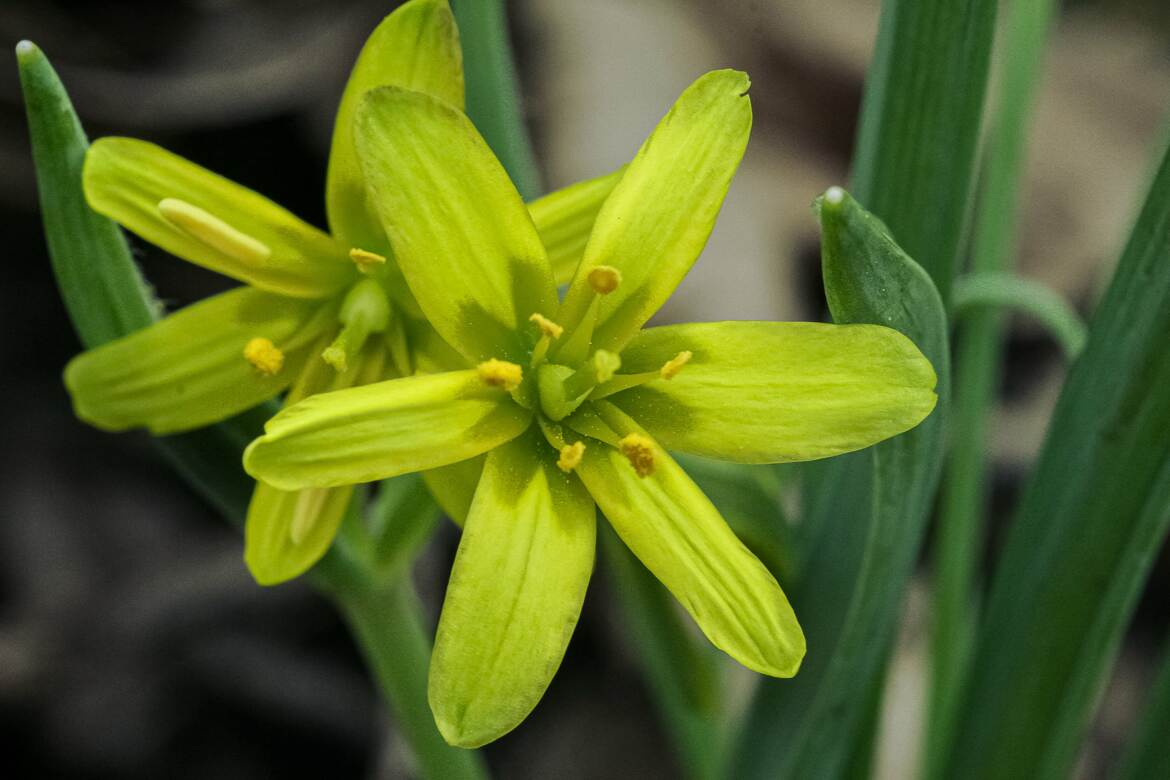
(576,405)
(318,311)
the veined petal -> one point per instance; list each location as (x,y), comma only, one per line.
(770,392)
(565,218)
(454,487)
(382,430)
(673,528)
(461,234)
(210,221)
(189,369)
(515,593)
(287,532)
(416,47)
(657,220)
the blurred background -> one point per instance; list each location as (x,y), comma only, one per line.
(133,643)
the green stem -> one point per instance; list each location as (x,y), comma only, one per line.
(387,621)
(493,92)
(977,359)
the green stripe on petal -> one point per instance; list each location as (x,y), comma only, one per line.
(416,47)
(565,219)
(287,532)
(515,593)
(189,369)
(210,221)
(679,535)
(657,220)
(462,236)
(772,392)
(368,433)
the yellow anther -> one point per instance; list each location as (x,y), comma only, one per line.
(366,261)
(639,450)
(264,356)
(547,326)
(571,455)
(213,231)
(605,365)
(500,373)
(671,367)
(604,279)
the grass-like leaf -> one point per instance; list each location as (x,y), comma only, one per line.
(1092,518)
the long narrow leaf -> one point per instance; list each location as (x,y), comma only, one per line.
(849,597)
(1094,513)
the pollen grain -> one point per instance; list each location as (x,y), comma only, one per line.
(264,356)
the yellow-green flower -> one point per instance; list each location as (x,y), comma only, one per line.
(576,405)
(319,311)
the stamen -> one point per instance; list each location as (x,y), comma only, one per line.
(500,373)
(571,455)
(605,364)
(604,279)
(213,231)
(671,368)
(639,450)
(547,326)
(264,356)
(366,261)
(598,369)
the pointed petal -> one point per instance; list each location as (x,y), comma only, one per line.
(770,392)
(287,532)
(223,226)
(461,234)
(515,593)
(673,528)
(382,430)
(189,369)
(416,47)
(657,220)
(565,218)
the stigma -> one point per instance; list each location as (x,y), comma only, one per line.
(264,356)
(604,279)
(212,231)
(639,450)
(500,373)
(571,455)
(366,261)
(671,367)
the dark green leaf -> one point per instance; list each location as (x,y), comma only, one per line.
(1147,755)
(1093,515)
(850,593)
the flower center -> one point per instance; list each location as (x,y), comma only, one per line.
(364,311)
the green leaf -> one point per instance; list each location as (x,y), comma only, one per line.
(416,47)
(515,593)
(382,430)
(659,216)
(920,121)
(989,289)
(1146,755)
(871,522)
(772,392)
(211,221)
(1093,515)
(493,89)
(103,290)
(462,236)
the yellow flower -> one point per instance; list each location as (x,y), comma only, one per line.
(582,414)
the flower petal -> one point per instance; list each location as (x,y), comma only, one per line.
(673,528)
(216,223)
(565,218)
(189,369)
(368,433)
(461,234)
(287,532)
(657,220)
(515,593)
(771,392)
(416,47)
(454,487)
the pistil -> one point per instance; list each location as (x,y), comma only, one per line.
(365,310)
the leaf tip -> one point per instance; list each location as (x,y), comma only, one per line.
(26,50)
